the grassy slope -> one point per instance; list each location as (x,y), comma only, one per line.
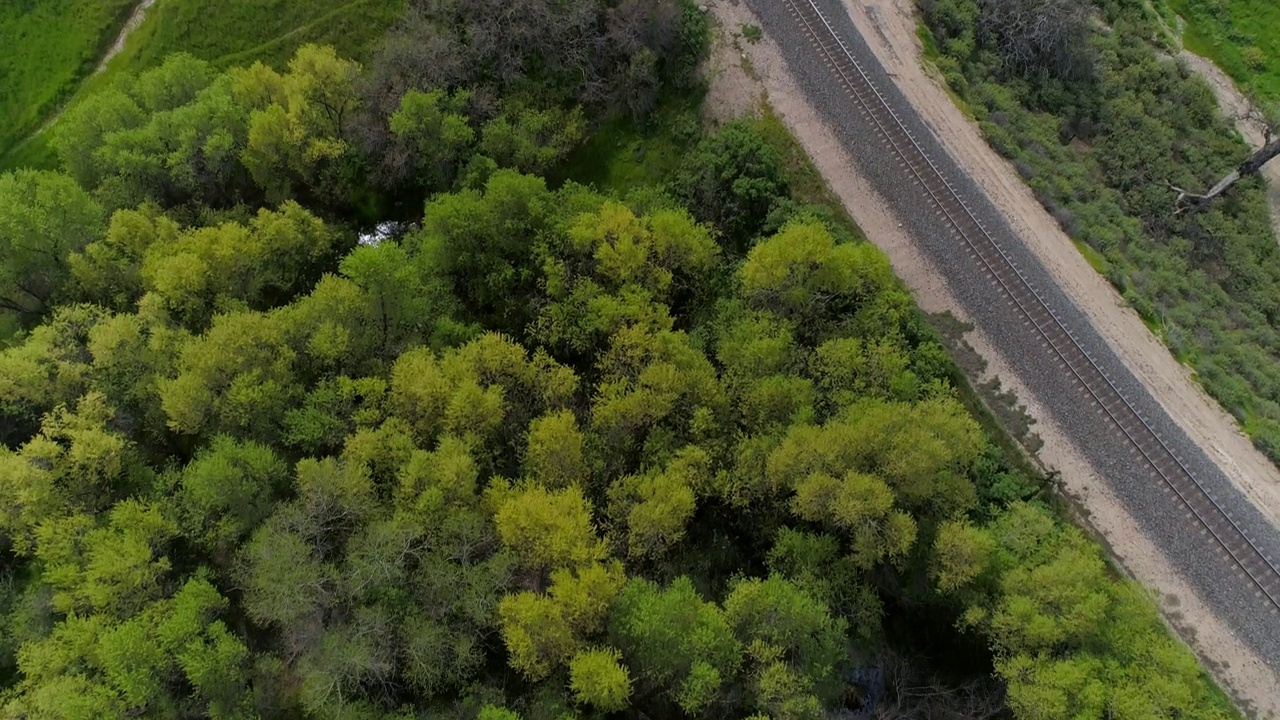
(228,32)
(239,33)
(48,46)
(1241,36)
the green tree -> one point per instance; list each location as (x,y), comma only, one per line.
(489,390)
(227,491)
(44,218)
(675,642)
(816,564)
(732,180)
(657,506)
(77,463)
(333,410)
(801,274)
(548,529)
(332,330)
(654,381)
(861,505)
(435,128)
(543,631)
(482,241)
(171,134)
(260,264)
(491,712)
(108,271)
(1067,638)
(173,658)
(851,369)
(297,140)
(794,642)
(752,344)
(532,140)
(284,583)
(598,678)
(237,379)
(555,454)
(51,366)
(405,303)
(922,451)
(611,265)
(961,554)
(114,569)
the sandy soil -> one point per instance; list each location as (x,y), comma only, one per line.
(1250,125)
(742,71)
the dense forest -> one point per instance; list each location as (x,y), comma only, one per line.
(543,451)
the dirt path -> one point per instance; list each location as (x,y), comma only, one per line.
(135,19)
(742,73)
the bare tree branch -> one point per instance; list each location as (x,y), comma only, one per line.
(1250,166)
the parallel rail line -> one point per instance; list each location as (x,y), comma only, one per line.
(1000,267)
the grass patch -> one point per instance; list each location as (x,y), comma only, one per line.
(239,33)
(623,154)
(927,41)
(1241,36)
(1096,260)
(46,47)
(35,152)
(752,33)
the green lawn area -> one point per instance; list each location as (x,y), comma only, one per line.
(224,32)
(46,47)
(1241,36)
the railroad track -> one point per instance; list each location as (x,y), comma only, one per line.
(1110,403)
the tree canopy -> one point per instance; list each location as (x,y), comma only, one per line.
(545,452)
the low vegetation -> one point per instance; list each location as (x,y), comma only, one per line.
(47,47)
(684,448)
(1101,129)
(1239,36)
(239,33)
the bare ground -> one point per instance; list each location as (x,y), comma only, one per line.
(743,72)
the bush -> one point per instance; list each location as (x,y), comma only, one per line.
(1254,58)
(732,180)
